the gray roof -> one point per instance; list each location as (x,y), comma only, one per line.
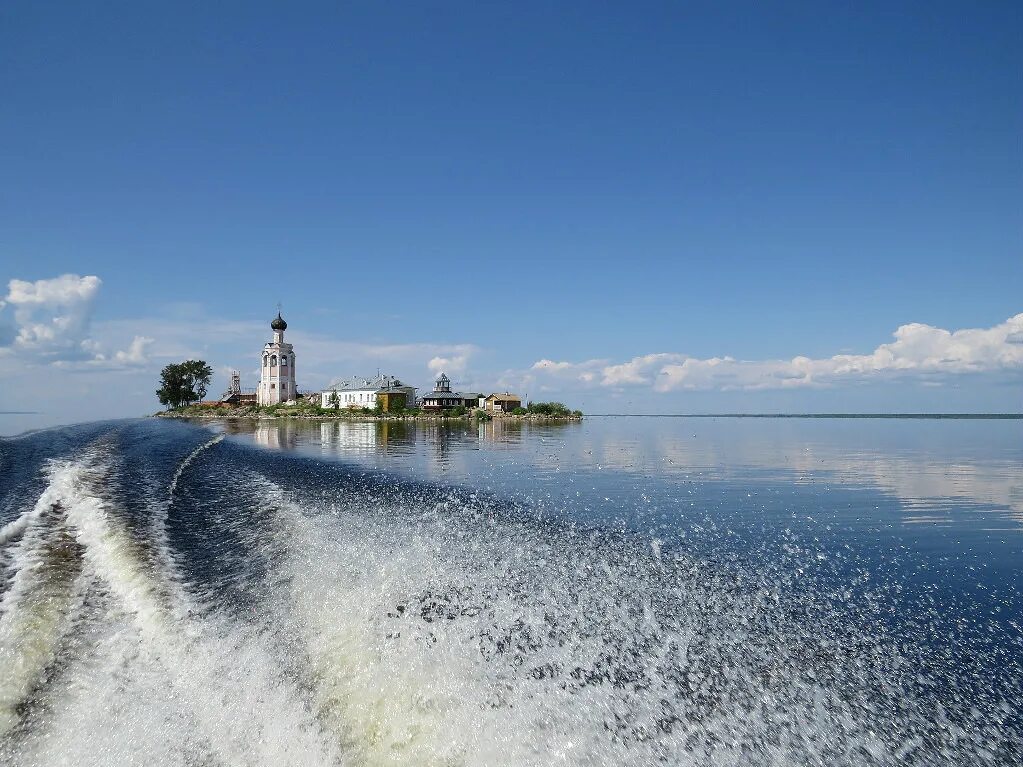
(448,395)
(374,383)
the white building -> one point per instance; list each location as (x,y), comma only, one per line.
(363,392)
(277,376)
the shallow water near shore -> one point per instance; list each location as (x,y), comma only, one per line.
(616,591)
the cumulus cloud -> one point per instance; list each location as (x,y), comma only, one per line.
(135,354)
(583,371)
(52,316)
(454,364)
(639,370)
(918,350)
(551,366)
(52,319)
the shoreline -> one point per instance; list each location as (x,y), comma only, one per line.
(370,417)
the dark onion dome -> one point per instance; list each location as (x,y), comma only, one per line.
(279,323)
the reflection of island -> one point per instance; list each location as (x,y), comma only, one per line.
(277,435)
(929,487)
(281,437)
(367,437)
(501,432)
(443,439)
(933,482)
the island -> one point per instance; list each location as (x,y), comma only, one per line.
(184,385)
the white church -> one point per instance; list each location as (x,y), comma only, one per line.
(277,376)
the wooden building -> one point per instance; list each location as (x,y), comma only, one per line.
(442,398)
(502,403)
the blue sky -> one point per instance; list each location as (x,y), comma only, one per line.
(501,184)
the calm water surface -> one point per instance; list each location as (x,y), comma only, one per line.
(952,489)
(616,591)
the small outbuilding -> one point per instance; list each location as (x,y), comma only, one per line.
(502,403)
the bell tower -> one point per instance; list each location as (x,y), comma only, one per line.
(277,374)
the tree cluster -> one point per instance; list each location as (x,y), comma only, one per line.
(548,408)
(184,383)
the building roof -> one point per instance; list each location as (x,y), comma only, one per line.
(278,323)
(448,395)
(506,397)
(375,383)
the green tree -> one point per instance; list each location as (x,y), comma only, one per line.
(333,400)
(184,383)
(549,408)
(172,386)
(198,375)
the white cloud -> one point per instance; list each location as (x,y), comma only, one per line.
(52,324)
(555,367)
(136,351)
(52,316)
(918,350)
(639,370)
(454,364)
(586,371)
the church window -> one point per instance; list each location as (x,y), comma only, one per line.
(273,360)
(284,359)
(265,360)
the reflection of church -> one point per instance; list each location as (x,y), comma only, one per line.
(363,437)
(277,376)
(281,435)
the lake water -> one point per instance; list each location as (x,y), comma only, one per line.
(618,591)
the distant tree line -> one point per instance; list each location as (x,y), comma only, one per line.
(184,383)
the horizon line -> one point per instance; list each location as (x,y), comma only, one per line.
(1006,416)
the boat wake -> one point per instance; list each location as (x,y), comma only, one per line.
(291,612)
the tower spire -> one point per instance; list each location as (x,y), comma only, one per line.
(277,381)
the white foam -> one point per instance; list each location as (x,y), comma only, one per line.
(223,678)
(448,636)
(15,528)
(188,460)
(522,647)
(35,609)
(150,675)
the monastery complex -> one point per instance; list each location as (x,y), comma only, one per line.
(278,386)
